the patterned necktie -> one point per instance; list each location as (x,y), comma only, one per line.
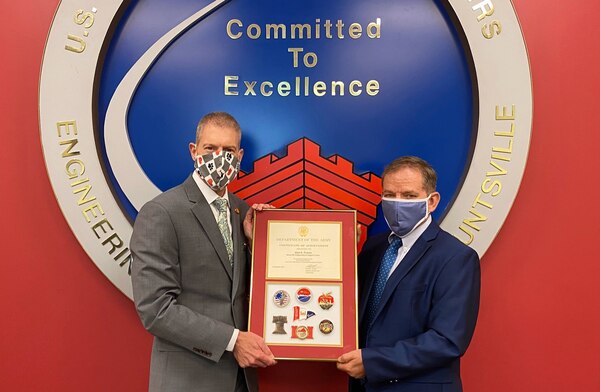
(224,226)
(385,267)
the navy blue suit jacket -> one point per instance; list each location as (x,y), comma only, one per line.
(426,317)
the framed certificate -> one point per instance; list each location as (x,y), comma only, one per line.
(303,284)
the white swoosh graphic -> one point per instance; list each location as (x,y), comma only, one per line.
(130,175)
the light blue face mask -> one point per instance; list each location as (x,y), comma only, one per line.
(403,216)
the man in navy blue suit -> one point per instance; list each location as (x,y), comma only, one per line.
(418,293)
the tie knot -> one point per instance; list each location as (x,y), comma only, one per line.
(396,242)
(221,204)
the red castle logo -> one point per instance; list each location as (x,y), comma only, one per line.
(305,179)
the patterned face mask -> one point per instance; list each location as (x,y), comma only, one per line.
(217,168)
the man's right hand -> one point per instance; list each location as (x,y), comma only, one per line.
(250,350)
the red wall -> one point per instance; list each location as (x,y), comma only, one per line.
(66,328)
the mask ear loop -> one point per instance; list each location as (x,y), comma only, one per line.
(427,214)
(422,220)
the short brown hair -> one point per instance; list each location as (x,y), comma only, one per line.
(220,119)
(427,171)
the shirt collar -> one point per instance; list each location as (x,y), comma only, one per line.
(409,240)
(207,192)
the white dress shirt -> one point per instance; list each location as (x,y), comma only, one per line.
(407,242)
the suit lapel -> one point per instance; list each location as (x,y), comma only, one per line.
(412,258)
(206,218)
(237,235)
(369,277)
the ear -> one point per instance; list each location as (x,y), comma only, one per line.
(192,148)
(240,154)
(433,202)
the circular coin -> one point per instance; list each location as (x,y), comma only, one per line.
(303,295)
(326,327)
(281,298)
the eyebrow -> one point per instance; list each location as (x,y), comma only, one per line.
(405,193)
(230,146)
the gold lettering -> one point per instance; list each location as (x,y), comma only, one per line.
(340,27)
(328,26)
(294,52)
(95,206)
(114,246)
(302,86)
(507,150)
(355,30)
(283,88)
(70,143)
(256,33)
(469,233)
(68,125)
(235,30)
(505,116)
(500,172)
(250,87)
(129,259)
(297,85)
(494,184)
(354,92)
(489,31)
(86,190)
(481,202)
(81,17)
(510,133)
(372,87)
(275,28)
(505,158)
(73,173)
(319,88)
(263,89)
(299,29)
(231,23)
(478,218)
(229,84)
(101,226)
(374,29)
(312,56)
(340,86)
(486,7)
(77,39)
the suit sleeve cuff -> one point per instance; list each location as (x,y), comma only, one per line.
(233,339)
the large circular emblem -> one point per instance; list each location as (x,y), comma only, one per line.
(327,93)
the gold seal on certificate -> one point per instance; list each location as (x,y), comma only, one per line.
(304,270)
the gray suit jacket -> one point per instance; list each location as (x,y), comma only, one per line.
(186,292)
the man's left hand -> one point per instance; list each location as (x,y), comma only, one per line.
(249,219)
(352,364)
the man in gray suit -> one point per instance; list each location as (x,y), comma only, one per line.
(190,273)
